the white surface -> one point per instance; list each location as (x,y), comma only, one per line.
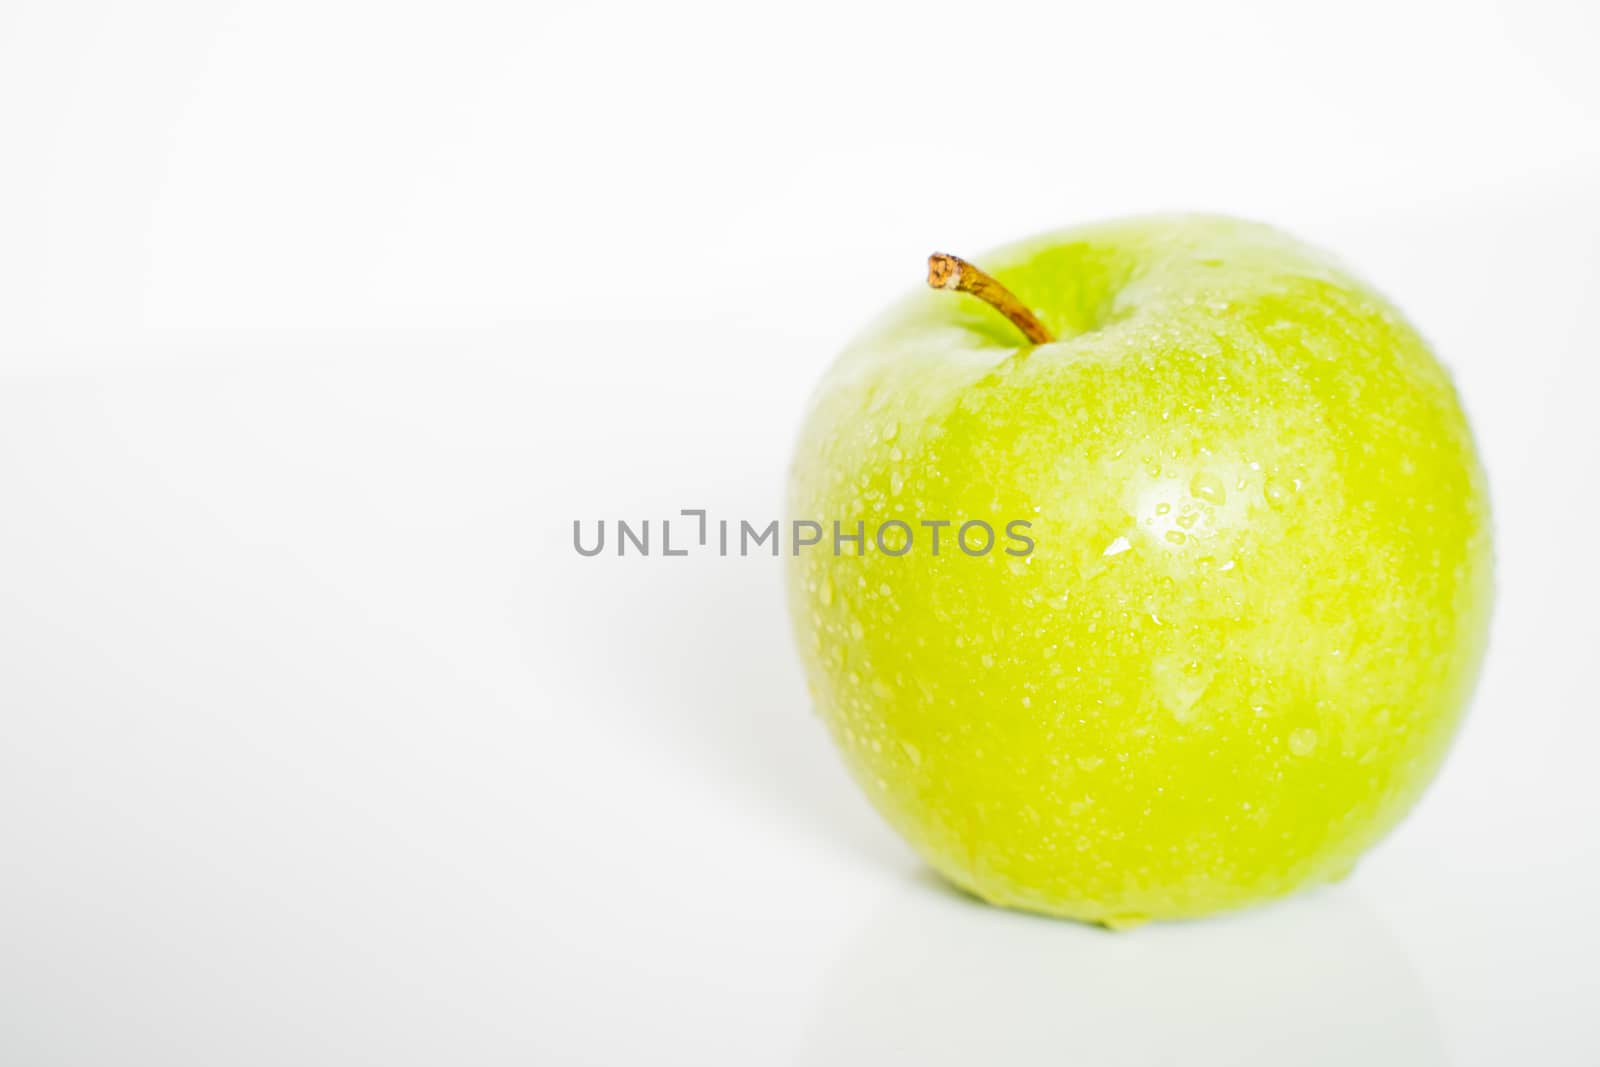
(321,322)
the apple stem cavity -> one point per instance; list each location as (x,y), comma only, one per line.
(953,272)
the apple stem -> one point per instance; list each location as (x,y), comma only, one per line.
(953,272)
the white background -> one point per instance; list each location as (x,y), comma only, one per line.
(321,321)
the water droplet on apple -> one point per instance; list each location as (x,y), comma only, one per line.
(1303,742)
(1175,537)
(827,591)
(1117,547)
(1208,487)
(891,431)
(1276,491)
(897,482)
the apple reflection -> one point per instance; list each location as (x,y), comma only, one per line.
(937,978)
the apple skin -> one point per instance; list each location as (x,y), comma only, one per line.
(1259,594)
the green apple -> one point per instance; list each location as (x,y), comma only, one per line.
(1259,586)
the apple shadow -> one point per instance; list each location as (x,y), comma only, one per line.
(939,978)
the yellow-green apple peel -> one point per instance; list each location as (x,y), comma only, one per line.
(1258,590)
